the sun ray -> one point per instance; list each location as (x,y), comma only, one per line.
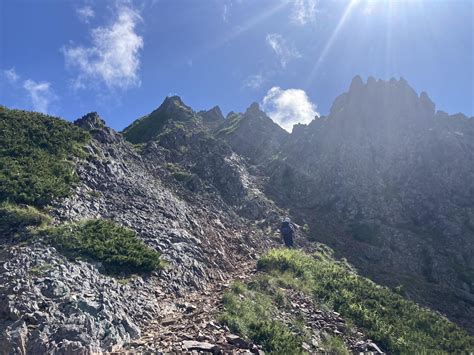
(388,41)
(347,11)
(243,28)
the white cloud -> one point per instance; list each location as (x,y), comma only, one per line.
(304,11)
(289,107)
(282,49)
(225,13)
(114,56)
(85,13)
(254,81)
(41,95)
(11,75)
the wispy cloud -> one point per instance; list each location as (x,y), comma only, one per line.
(40,94)
(304,11)
(289,107)
(225,12)
(114,55)
(254,81)
(284,51)
(11,75)
(85,13)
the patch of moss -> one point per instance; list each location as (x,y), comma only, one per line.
(94,194)
(40,270)
(178,173)
(35,156)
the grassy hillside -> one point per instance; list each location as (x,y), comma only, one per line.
(394,323)
(35,156)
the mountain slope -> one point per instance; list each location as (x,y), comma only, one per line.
(200,197)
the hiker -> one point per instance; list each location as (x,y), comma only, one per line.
(287,229)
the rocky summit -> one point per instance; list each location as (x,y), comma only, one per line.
(164,238)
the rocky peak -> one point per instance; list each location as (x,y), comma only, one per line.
(216,110)
(256,119)
(93,123)
(253,134)
(379,100)
(356,84)
(148,127)
(254,108)
(90,121)
(174,104)
(213,117)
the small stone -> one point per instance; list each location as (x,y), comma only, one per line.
(200,346)
(237,341)
(374,347)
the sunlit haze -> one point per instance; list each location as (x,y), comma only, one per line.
(122,58)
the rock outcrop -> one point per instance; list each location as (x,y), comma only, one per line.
(253,134)
(389,184)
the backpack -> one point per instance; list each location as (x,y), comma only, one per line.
(286,228)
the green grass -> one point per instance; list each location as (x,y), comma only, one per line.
(178,173)
(231,124)
(35,152)
(118,249)
(40,270)
(335,346)
(15,219)
(249,311)
(94,194)
(394,323)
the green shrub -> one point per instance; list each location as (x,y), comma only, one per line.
(14,218)
(178,173)
(94,194)
(35,152)
(117,248)
(398,325)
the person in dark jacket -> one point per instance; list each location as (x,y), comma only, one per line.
(287,230)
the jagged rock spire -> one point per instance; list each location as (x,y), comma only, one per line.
(90,121)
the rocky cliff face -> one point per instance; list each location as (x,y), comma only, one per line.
(253,134)
(389,184)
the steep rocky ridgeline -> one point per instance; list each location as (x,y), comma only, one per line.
(252,134)
(389,184)
(132,241)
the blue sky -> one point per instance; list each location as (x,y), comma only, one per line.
(122,58)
